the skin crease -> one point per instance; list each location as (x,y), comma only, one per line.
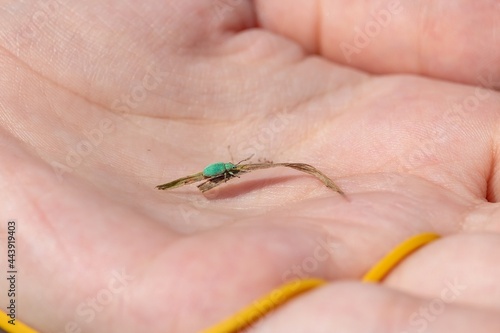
(101,101)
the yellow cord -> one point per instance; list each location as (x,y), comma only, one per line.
(261,307)
(387,263)
(282,294)
(19,327)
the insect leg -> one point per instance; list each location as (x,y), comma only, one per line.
(232,174)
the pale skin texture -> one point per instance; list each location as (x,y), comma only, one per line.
(410,152)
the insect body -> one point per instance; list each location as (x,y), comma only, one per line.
(218,169)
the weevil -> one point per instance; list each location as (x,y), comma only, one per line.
(223,169)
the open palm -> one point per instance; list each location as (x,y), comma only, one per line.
(101,101)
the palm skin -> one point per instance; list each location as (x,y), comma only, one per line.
(102,102)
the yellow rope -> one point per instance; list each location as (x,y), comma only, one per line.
(387,263)
(19,327)
(264,305)
(282,294)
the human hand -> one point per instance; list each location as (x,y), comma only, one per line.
(102,101)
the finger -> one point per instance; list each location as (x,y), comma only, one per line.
(459,283)
(352,307)
(456,42)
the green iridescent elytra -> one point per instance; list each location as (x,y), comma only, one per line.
(218,173)
(217,169)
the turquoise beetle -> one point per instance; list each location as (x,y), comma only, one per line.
(219,169)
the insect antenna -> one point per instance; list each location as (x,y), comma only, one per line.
(246,159)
